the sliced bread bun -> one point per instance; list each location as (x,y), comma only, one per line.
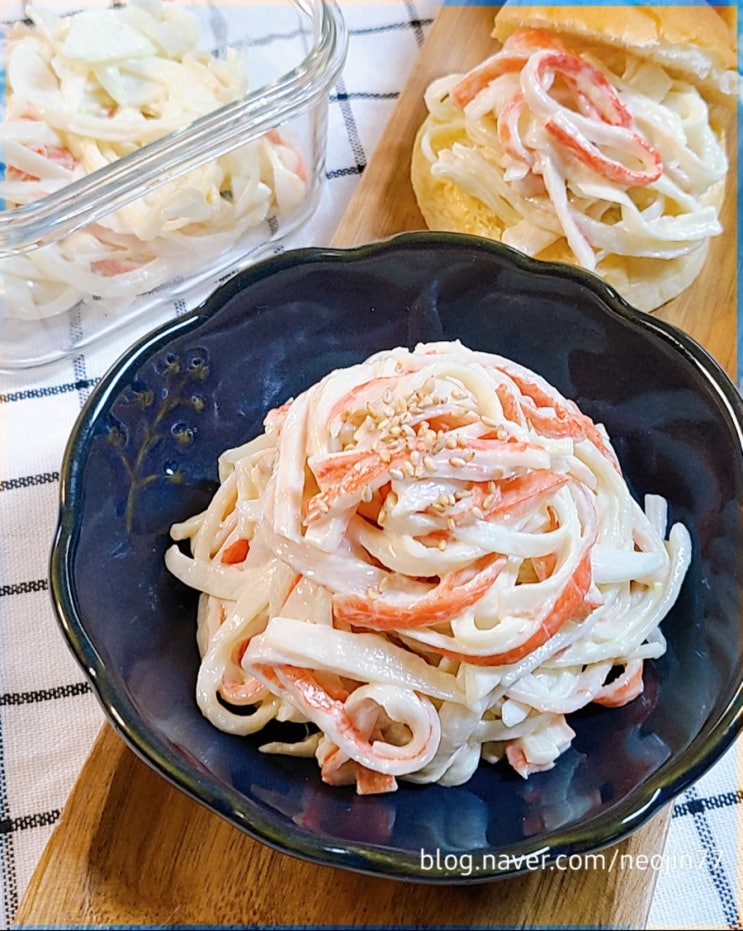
(692,42)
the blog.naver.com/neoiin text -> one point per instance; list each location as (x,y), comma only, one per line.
(470,864)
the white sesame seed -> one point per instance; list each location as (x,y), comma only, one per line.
(397,473)
(457,462)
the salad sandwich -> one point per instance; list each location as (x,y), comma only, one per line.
(592,135)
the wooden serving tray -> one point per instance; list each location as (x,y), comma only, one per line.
(131,849)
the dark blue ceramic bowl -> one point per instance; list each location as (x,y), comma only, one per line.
(144,455)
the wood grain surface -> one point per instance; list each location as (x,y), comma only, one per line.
(130,849)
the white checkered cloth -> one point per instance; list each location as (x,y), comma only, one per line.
(49,717)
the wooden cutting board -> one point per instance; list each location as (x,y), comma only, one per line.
(131,849)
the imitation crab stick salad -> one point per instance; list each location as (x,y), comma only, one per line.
(431,559)
(86,89)
(546,148)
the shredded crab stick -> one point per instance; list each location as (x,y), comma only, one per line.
(454,593)
(431,559)
(598,117)
(515,52)
(608,122)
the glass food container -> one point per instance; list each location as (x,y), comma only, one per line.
(149,150)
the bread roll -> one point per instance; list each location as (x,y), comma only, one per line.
(519,181)
(692,42)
